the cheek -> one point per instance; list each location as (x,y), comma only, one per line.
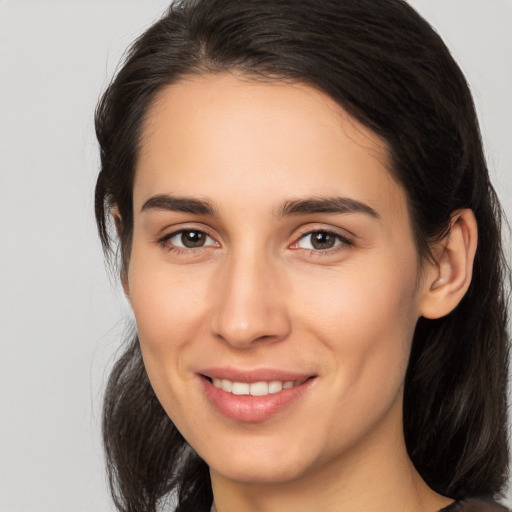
(365,315)
(163,301)
(162,305)
(166,307)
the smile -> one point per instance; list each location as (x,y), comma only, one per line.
(253,396)
(261,388)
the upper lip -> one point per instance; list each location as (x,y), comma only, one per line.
(254,374)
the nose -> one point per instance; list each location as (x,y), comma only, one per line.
(250,305)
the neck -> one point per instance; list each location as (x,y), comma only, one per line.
(375,476)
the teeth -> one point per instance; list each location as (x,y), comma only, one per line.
(226,385)
(259,388)
(275,386)
(241,388)
(255,388)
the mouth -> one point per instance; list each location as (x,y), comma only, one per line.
(260,388)
(253,396)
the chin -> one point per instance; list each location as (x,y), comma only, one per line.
(258,472)
(262,463)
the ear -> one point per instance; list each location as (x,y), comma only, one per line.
(448,278)
(116,217)
(118,223)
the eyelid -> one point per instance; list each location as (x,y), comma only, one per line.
(315,228)
(173,229)
(164,239)
(345,241)
(181,231)
(345,238)
(327,226)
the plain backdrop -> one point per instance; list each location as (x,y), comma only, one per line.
(61,317)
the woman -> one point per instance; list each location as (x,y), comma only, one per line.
(311,247)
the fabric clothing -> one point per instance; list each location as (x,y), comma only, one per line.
(475,505)
(466,505)
(470,505)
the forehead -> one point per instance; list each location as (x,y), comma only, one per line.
(216,135)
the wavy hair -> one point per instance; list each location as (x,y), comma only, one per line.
(389,69)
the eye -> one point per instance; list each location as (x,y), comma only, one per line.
(189,239)
(320,240)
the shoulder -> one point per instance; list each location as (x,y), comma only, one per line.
(475,505)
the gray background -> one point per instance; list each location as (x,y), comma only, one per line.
(60,315)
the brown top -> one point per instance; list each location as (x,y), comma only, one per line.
(475,505)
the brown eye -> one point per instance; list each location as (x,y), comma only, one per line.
(188,239)
(321,240)
(191,239)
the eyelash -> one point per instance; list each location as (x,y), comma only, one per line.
(164,242)
(342,242)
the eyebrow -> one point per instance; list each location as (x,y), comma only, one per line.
(313,205)
(326,205)
(179,204)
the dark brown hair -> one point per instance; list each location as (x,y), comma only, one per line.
(386,67)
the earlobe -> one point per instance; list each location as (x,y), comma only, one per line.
(449,277)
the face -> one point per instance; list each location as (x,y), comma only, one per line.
(273,277)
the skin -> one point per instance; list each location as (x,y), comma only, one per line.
(256,295)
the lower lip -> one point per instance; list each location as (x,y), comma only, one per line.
(249,408)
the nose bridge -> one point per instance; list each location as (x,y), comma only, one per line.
(251,305)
